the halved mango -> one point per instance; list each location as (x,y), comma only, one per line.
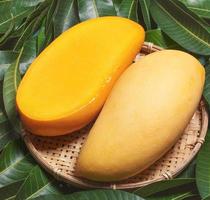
(68,83)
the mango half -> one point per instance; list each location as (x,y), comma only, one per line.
(145,114)
(68,83)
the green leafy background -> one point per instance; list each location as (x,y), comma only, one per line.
(28,26)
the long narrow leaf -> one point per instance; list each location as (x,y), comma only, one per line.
(157,37)
(199,7)
(18,14)
(6,58)
(163,186)
(145,4)
(6,35)
(41,39)
(95,8)
(181,25)
(206,198)
(66,16)
(50,15)
(117,5)
(128,9)
(182,192)
(6,134)
(8,192)
(29,54)
(27,3)
(30,29)
(37,183)
(206,92)
(11,81)
(189,172)
(176,196)
(15,163)
(49,25)
(203,168)
(93,195)
(37,11)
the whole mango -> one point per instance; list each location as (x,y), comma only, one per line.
(145,114)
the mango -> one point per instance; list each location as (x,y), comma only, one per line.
(68,83)
(145,114)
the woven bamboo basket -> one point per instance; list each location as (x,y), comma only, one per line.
(59,155)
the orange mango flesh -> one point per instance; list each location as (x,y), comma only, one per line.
(68,83)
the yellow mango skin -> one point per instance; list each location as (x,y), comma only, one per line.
(68,83)
(146,112)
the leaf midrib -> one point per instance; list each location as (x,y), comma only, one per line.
(130,9)
(13,18)
(187,30)
(16,70)
(146,8)
(6,1)
(194,19)
(185,195)
(2,135)
(32,195)
(13,164)
(147,13)
(70,9)
(95,8)
(12,197)
(201,9)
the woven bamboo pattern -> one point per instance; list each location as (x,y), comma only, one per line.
(58,155)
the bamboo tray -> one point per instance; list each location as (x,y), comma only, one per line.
(58,155)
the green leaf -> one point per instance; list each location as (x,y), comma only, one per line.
(199,7)
(15,163)
(17,32)
(6,35)
(11,81)
(189,172)
(41,39)
(30,3)
(9,191)
(182,25)
(203,168)
(117,5)
(50,15)
(32,24)
(157,37)
(6,58)
(29,54)
(93,195)
(145,4)
(128,9)
(37,11)
(6,135)
(49,25)
(30,29)
(95,8)
(38,183)
(177,193)
(206,91)
(66,16)
(19,12)
(206,198)
(162,186)
(176,196)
